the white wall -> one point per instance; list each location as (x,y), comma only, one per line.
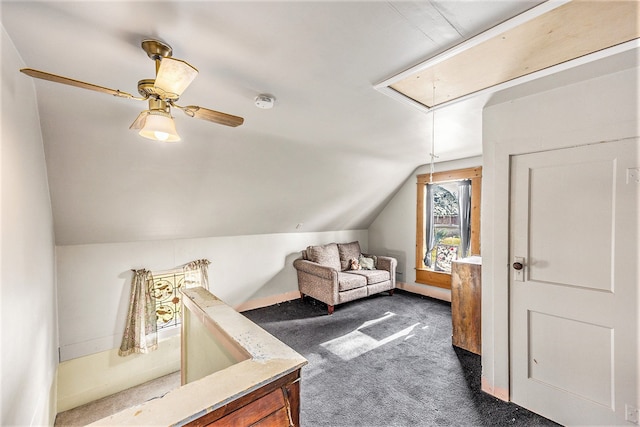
(93,296)
(393,232)
(599,109)
(27,287)
(94,280)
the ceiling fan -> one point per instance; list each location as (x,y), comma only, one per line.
(173,76)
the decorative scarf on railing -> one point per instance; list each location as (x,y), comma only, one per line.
(197,273)
(140,331)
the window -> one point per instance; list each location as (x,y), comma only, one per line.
(448,223)
(165,290)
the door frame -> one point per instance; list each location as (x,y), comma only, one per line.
(596,307)
(513,123)
(496,361)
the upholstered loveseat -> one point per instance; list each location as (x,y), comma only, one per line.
(326,273)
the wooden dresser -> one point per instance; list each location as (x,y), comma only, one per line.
(466,300)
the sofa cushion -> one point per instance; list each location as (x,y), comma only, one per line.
(379,287)
(373,276)
(347,252)
(326,255)
(367,263)
(352,294)
(348,281)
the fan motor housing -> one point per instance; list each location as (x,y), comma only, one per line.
(156,49)
(146,88)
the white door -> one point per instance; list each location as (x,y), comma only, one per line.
(574,304)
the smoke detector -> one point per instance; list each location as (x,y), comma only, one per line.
(265,101)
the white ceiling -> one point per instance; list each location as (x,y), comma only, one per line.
(330,154)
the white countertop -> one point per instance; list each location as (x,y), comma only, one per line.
(473,259)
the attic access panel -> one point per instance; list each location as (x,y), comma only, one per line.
(567,32)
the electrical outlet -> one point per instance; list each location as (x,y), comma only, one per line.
(631,414)
(633,176)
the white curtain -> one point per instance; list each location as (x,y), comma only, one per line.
(140,332)
(429,235)
(196,273)
(464,210)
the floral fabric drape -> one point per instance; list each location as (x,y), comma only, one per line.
(140,333)
(197,273)
(464,209)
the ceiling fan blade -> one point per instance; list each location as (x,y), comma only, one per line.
(77,83)
(211,115)
(173,77)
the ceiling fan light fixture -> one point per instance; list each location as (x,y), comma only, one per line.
(173,78)
(159,126)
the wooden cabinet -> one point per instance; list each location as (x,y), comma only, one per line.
(466,293)
(274,405)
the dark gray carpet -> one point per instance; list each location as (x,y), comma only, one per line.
(386,361)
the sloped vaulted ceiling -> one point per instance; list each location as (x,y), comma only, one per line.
(329,154)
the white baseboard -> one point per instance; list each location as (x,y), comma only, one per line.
(425,290)
(267,301)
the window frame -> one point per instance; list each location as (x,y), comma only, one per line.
(424,275)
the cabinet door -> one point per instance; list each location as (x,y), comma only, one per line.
(466,294)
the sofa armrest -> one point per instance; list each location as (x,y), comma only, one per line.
(317,281)
(318,270)
(387,263)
